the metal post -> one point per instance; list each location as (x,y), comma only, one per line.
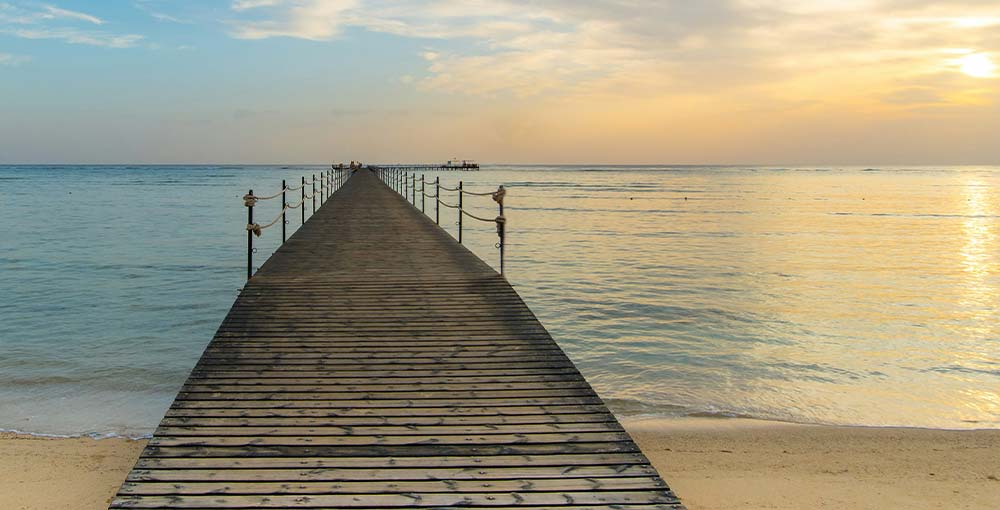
(460,211)
(437,200)
(313,200)
(321,193)
(501,230)
(423,196)
(284,209)
(303,204)
(413,192)
(249,204)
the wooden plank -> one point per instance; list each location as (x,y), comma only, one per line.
(514,410)
(390,474)
(369,450)
(419,463)
(422,500)
(393,486)
(263,440)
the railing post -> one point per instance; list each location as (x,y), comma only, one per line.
(303,203)
(437,200)
(413,191)
(461,212)
(284,209)
(423,196)
(249,203)
(313,199)
(321,194)
(501,225)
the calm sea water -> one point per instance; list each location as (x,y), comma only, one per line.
(821,295)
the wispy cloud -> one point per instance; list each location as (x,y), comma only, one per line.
(74,36)
(53,22)
(52,12)
(150,7)
(7,59)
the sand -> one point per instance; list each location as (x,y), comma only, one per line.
(62,474)
(721,464)
(711,464)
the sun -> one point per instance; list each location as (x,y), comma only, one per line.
(977,65)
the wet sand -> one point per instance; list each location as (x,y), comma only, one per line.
(712,464)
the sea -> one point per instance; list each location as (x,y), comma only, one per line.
(827,295)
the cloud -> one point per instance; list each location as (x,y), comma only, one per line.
(7,59)
(242,5)
(51,12)
(562,43)
(304,19)
(73,36)
(52,22)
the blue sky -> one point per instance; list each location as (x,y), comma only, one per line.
(563,81)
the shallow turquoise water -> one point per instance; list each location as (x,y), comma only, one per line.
(848,296)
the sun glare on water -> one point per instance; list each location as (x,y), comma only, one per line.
(977,65)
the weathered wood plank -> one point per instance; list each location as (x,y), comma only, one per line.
(390,474)
(392,486)
(463,499)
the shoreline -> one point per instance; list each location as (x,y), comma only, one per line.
(711,463)
(678,422)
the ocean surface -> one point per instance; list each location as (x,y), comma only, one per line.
(854,296)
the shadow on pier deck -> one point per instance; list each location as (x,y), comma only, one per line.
(373,362)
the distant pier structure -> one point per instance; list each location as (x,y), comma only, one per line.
(452,164)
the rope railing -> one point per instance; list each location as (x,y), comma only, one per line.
(404,182)
(329,182)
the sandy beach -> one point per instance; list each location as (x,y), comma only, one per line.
(713,464)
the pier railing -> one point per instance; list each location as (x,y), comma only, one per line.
(328,182)
(404,181)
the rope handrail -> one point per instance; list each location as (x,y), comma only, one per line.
(449,189)
(446,204)
(293,188)
(473,216)
(256,228)
(426,194)
(489,193)
(296,206)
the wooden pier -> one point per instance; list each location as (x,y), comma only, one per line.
(373,362)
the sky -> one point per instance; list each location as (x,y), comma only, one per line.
(817,82)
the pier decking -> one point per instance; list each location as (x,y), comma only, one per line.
(373,362)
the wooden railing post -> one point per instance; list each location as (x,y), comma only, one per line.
(437,200)
(303,204)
